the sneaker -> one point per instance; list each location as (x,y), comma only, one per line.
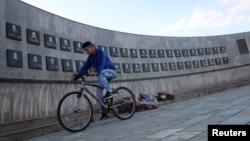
(109,95)
(104,116)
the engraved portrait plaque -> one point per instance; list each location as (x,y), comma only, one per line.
(78,47)
(161,53)
(242,45)
(185,53)
(65,44)
(170,53)
(188,64)
(193,52)
(124,52)
(52,63)
(79,64)
(196,64)
(145,67)
(152,53)
(143,53)
(177,53)
(118,67)
(164,66)
(200,51)
(67,65)
(49,41)
(136,67)
(218,61)
(33,37)
(172,66)
(133,53)
(103,48)
(208,51)
(210,62)
(225,60)
(180,65)
(35,61)
(223,49)
(14,58)
(113,51)
(215,50)
(155,67)
(126,68)
(203,63)
(13,31)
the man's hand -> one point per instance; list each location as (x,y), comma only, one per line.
(92,74)
(72,80)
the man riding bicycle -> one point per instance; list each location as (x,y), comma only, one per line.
(104,69)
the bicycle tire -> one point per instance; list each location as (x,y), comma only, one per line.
(123,104)
(74,112)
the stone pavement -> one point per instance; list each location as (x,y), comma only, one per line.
(178,121)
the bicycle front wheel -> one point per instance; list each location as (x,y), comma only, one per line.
(123,103)
(74,112)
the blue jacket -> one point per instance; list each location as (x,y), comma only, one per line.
(99,61)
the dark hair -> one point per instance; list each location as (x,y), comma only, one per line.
(86,44)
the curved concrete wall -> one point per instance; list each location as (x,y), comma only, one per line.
(31,90)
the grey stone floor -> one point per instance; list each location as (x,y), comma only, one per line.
(178,121)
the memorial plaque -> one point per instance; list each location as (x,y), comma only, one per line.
(152,53)
(118,67)
(79,64)
(196,64)
(13,31)
(136,67)
(161,54)
(225,60)
(49,41)
(193,52)
(170,53)
(177,53)
(143,53)
(218,61)
(14,58)
(208,51)
(180,65)
(215,50)
(210,62)
(52,63)
(33,37)
(155,67)
(67,65)
(78,47)
(126,68)
(145,67)
(124,52)
(172,66)
(164,66)
(35,61)
(203,63)
(133,53)
(242,45)
(223,49)
(200,51)
(113,51)
(185,53)
(188,64)
(65,44)
(103,48)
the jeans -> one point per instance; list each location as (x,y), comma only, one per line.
(102,81)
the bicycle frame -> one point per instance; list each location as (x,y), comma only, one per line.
(84,87)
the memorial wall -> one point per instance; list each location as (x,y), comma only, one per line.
(40,51)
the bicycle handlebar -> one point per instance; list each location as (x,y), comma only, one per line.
(84,75)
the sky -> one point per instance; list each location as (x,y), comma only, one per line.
(181,18)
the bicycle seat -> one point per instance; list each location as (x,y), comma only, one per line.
(109,79)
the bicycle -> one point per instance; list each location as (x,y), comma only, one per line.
(75,110)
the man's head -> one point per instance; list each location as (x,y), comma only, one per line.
(88,48)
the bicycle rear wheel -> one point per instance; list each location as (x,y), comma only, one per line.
(74,112)
(123,103)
